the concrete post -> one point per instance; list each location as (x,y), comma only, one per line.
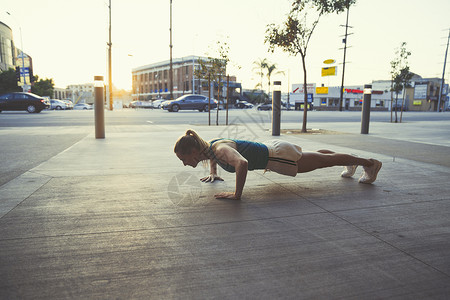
(276,108)
(99,108)
(365,118)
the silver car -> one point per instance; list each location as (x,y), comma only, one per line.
(57,104)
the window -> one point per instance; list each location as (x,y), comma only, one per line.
(21,96)
(333,102)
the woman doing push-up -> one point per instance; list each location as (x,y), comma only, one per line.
(240,156)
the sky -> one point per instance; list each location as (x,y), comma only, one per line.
(67,39)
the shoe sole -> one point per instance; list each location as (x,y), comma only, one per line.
(349,174)
(376,173)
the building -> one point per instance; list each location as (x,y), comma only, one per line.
(60,93)
(152,81)
(82,93)
(327,98)
(7,49)
(422,95)
(11,57)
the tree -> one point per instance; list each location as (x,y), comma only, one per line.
(42,87)
(270,71)
(294,36)
(260,65)
(215,69)
(8,82)
(400,77)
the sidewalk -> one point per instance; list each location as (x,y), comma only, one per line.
(122,218)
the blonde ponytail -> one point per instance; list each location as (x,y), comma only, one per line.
(189,141)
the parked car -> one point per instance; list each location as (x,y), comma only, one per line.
(82,106)
(140,104)
(23,101)
(398,107)
(157,103)
(243,104)
(267,106)
(186,102)
(57,104)
(69,104)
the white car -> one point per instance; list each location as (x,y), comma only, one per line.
(57,104)
(69,104)
(82,106)
(157,103)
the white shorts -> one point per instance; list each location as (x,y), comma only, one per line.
(283,157)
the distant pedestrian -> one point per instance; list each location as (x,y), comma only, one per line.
(278,156)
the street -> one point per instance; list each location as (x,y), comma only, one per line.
(157,116)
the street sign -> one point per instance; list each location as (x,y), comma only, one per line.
(329,71)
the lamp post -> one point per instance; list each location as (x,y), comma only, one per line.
(365,118)
(171,64)
(99,108)
(276,108)
(109,62)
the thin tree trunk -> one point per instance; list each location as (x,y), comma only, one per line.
(403,101)
(305,106)
(396,102)
(392,98)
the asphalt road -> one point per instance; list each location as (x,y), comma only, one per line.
(143,116)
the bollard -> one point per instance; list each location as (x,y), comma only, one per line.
(276,108)
(365,118)
(99,108)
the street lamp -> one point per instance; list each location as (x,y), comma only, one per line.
(24,86)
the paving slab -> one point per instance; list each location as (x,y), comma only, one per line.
(122,218)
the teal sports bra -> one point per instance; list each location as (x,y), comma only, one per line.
(255,153)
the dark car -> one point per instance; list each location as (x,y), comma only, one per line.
(243,104)
(23,101)
(186,102)
(267,106)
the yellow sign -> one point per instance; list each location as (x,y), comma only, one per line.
(329,71)
(417,102)
(329,61)
(322,90)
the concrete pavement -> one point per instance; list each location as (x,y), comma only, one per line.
(121,218)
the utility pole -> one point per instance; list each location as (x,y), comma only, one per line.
(443,74)
(171,46)
(343,64)
(109,62)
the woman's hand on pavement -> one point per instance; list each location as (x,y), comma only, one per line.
(211,178)
(227,195)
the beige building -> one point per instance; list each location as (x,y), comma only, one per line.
(424,95)
(152,81)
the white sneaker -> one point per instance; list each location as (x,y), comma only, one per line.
(370,173)
(349,171)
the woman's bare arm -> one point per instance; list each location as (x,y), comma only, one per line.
(212,173)
(228,154)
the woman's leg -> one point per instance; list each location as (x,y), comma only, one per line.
(311,161)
